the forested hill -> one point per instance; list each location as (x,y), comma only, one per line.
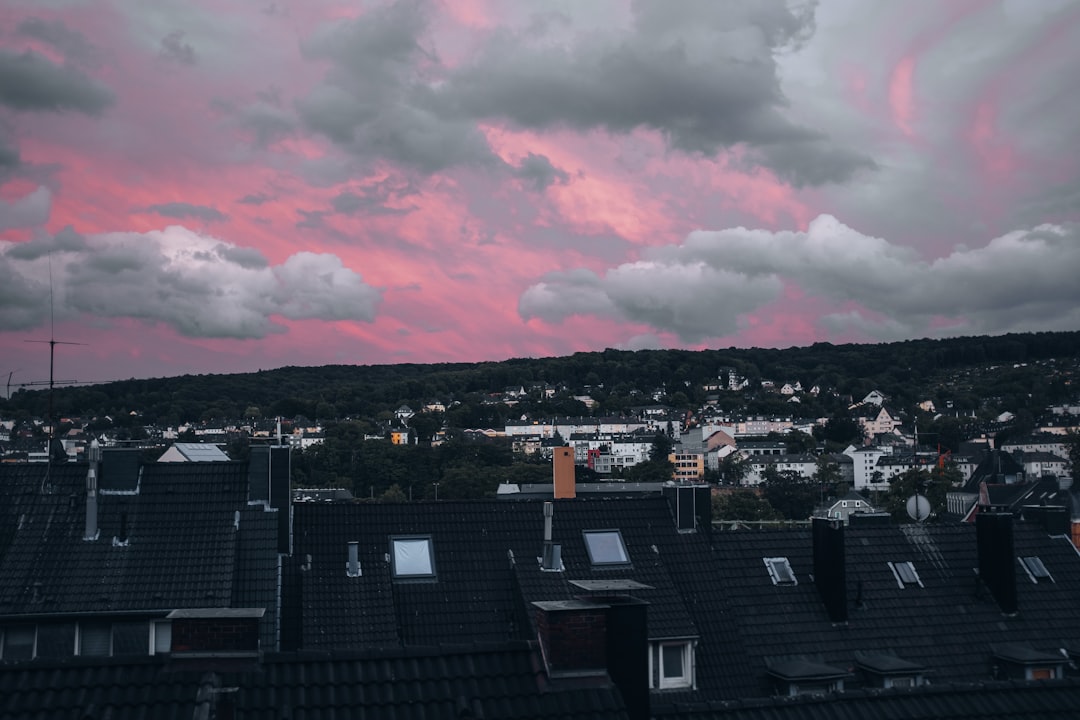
(903,370)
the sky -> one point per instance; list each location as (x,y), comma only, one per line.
(202,186)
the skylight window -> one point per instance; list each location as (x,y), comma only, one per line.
(780,571)
(412,557)
(1035,569)
(905,574)
(606,547)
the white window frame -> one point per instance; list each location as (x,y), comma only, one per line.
(154,625)
(657,680)
(900,580)
(774,576)
(405,573)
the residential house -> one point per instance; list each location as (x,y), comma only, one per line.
(802,464)
(193,452)
(844,507)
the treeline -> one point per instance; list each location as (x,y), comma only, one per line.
(906,371)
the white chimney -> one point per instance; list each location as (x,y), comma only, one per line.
(551,560)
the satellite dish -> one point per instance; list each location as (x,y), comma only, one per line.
(918,507)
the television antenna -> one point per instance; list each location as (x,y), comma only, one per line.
(53,342)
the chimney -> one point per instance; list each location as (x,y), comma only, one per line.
(93,455)
(997,560)
(691,505)
(353,568)
(594,635)
(562,462)
(551,559)
(829,571)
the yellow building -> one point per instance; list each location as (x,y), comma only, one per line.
(689,467)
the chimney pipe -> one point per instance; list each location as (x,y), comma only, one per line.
(551,559)
(353,569)
(94,457)
(829,571)
(997,559)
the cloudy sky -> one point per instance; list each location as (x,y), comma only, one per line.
(227,186)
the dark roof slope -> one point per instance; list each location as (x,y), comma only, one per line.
(167,542)
(947,625)
(505,681)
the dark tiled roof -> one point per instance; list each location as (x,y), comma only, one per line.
(503,681)
(948,625)
(179,551)
(487,572)
(1057,700)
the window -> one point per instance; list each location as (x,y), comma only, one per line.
(411,557)
(905,574)
(1035,569)
(160,637)
(780,571)
(605,547)
(19,643)
(671,665)
(94,640)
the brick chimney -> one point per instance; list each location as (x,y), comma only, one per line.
(829,572)
(604,633)
(562,464)
(997,559)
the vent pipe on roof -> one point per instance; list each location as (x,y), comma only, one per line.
(829,571)
(353,568)
(997,560)
(551,559)
(93,455)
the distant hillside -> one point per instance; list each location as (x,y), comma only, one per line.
(906,371)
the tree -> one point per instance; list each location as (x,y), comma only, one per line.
(906,484)
(1072,449)
(793,495)
(734,468)
(827,476)
(394,493)
(743,504)
(661,447)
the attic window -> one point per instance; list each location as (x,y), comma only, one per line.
(1035,569)
(780,571)
(606,547)
(905,574)
(412,557)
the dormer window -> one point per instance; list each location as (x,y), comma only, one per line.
(1035,569)
(905,574)
(411,557)
(606,547)
(18,642)
(671,664)
(780,571)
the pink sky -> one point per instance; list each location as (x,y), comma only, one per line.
(223,187)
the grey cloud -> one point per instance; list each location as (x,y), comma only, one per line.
(1020,281)
(311,219)
(200,286)
(701,73)
(182,210)
(372,199)
(9,154)
(28,211)
(538,170)
(377,99)
(30,82)
(267,122)
(174,49)
(254,199)
(73,44)
(67,240)
(247,258)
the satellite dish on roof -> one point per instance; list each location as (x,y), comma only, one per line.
(918,507)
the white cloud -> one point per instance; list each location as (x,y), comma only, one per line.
(1025,280)
(199,285)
